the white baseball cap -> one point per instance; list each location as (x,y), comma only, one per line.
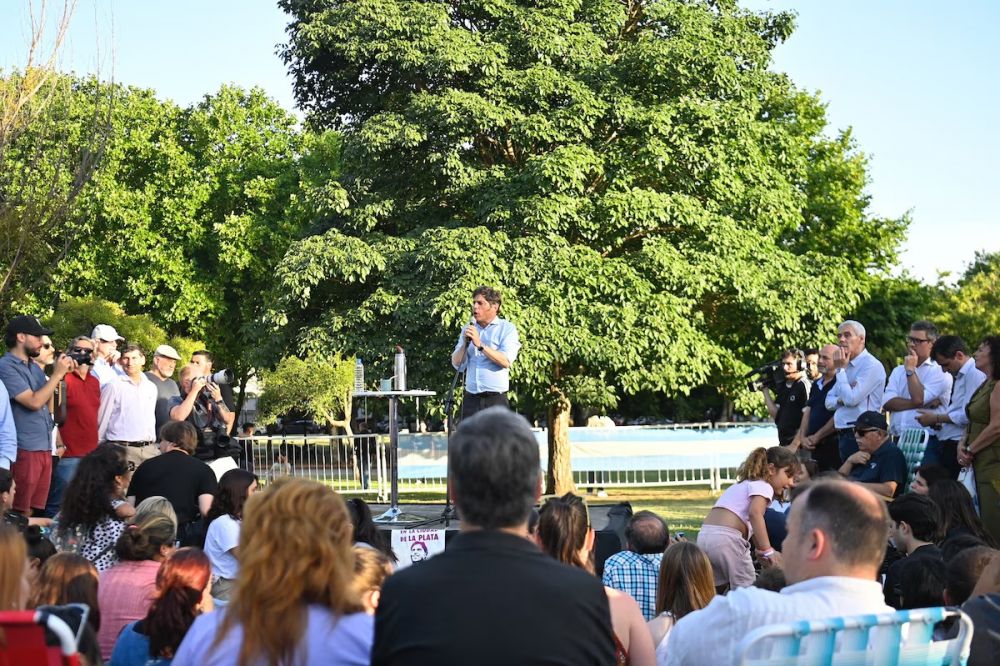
(166,351)
(106,333)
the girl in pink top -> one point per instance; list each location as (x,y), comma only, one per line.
(126,590)
(738,516)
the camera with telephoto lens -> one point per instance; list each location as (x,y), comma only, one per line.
(221,378)
(770,375)
(81,356)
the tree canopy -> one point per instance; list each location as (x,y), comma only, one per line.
(659,209)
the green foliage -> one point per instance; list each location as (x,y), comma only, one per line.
(972,309)
(660,210)
(78,316)
(319,386)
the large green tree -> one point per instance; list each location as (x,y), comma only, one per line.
(657,206)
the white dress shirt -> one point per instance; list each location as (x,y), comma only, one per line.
(105,372)
(128,411)
(858,389)
(968,379)
(937,385)
(727,619)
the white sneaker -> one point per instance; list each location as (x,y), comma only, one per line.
(602,493)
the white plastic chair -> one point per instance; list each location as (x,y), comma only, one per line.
(913,444)
(902,638)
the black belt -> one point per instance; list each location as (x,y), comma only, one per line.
(486,394)
(136,444)
(841,431)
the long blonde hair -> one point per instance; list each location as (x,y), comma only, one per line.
(295,550)
(13,560)
(686,582)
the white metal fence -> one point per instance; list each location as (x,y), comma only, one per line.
(635,456)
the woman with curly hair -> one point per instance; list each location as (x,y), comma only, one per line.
(87,523)
(981,445)
(293,602)
(182,594)
(223,537)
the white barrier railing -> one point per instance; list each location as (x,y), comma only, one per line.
(633,456)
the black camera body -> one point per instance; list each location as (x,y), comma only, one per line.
(770,375)
(82,357)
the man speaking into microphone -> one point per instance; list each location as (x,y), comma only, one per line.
(486,349)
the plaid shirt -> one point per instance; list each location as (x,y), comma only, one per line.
(636,575)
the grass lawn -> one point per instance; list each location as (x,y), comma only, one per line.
(682,507)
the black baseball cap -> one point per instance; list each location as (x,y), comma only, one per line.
(27,324)
(871,420)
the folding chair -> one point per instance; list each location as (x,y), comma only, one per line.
(913,443)
(23,640)
(903,638)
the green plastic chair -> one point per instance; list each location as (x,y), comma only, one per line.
(903,638)
(913,443)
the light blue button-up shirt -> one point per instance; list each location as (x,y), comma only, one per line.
(8,435)
(481,374)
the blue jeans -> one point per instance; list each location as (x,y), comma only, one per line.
(61,476)
(846,444)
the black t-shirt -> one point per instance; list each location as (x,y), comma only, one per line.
(791,400)
(176,476)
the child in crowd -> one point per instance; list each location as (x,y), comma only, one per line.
(371,568)
(738,517)
(40,549)
(686,584)
(223,537)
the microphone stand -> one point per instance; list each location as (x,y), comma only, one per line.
(449,512)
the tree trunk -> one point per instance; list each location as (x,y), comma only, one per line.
(559,478)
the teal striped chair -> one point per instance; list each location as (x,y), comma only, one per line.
(913,443)
(902,638)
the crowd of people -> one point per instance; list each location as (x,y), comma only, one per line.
(175,567)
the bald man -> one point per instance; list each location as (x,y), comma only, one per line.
(818,435)
(837,535)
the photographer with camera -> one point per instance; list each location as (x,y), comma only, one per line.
(790,397)
(78,426)
(201,405)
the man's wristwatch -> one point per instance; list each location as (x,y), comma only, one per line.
(909,373)
(479,347)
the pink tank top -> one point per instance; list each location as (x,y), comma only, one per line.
(736,498)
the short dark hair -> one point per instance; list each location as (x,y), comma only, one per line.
(792,353)
(932,473)
(947,346)
(920,513)
(921,583)
(811,351)
(858,529)
(494,468)
(647,533)
(963,570)
(204,352)
(927,327)
(181,434)
(6,480)
(133,347)
(491,295)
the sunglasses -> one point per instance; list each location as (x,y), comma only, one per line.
(77,350)
(864,431)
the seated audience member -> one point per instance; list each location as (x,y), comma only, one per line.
(182,594)
(8,490)
(564,532)
(40,549)
(366,532)
(127,589)
(223,537)
(371,568)
(515,605)
(926,476)
(960,524)
(914,528)
(983,607)
(187,482)
(962,573)
(878,464)
(15,584)
(738,517)
(686,584)
(87,523)
(66,578)
(922,585)
(156,504)
(772,579)
(293,597)
(837,534)
(636,570)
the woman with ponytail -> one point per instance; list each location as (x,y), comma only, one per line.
(564,532)
(182,594)
(126,590)
(738,517)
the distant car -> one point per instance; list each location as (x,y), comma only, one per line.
(300,427)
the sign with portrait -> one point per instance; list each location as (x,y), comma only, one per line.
(412,546)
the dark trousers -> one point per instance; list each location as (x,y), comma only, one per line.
(846,443)
(826,454)
(949,456)
(477,402)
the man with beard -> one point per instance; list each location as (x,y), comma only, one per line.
(30,391)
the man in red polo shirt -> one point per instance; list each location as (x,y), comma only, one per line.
(79,430)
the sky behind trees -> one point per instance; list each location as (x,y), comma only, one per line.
(913,78)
